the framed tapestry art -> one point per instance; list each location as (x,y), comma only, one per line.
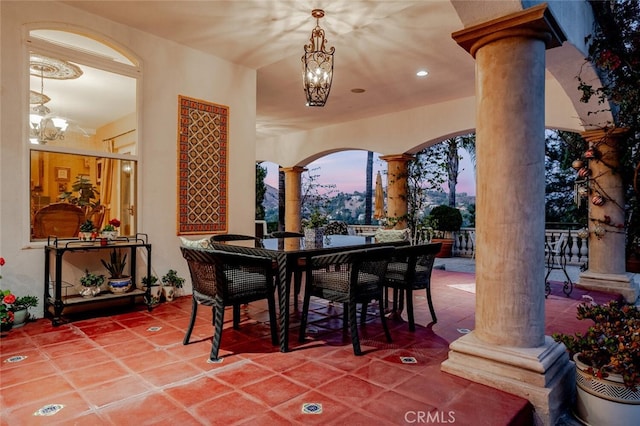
(202,166)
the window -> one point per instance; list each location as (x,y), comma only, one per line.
(82,133)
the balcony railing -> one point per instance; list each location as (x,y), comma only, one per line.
(576,250)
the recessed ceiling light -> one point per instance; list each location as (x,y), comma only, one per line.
(357,90)
(422,73)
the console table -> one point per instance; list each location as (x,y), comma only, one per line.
(57,247)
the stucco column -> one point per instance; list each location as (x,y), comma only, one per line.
(606,237)
(292,190)
(397,187)
(508,348)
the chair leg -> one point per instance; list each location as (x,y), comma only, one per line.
(353,326)
(412,323)
(236,317)
(434,319)
(272,318)
(384,320)
(305,313)
(218,319)
(192,321)
(297,286)
(363,313)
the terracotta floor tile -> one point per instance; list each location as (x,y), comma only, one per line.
(170,373)
(73,361)
(67,348)
(148,360)
(270,418)
(274,390)
(116,390)
(313,374)
(27,392)
(242,373)
(351,390)
(119,336)
(331,409)
(75,408)
(89,374)
(63,335)
(132,347)
(197,391)
(229,408)
(100,328)
(29,372)
(399,408)
(183,418)
(32,356)
(144,410)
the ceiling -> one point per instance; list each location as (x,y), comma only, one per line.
(379,47)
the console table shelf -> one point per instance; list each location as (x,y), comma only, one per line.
(55,301)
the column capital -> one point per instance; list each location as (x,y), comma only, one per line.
(397,157)
(534,22)
(294,169)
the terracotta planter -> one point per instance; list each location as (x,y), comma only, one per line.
(604,401)
(447,246)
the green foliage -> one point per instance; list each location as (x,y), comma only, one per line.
(83,193)
(24,302)
(87,226)
(611,344)
(150,281)
(445,218)
(316,198)
(316,219)
(116,264)
(261,190)
(172,278)
(91,280)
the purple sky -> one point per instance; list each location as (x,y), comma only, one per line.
(347,171)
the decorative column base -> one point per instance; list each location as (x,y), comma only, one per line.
(544,375)
(610,283)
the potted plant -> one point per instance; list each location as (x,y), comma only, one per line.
(445,220)
(170,282)
(110,231)
(90,284)
(87,231)
(117,281)
(20,309)
(314,228)
(151,282)
(607,361)
(6,314)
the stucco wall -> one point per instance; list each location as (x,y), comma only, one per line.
(169,70)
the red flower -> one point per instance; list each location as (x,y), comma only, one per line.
(1,261)
(114,222)
(9,299)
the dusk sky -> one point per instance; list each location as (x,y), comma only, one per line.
(347,171)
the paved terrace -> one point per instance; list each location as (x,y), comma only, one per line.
(131,368)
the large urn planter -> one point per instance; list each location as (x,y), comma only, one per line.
(604,401)
(313,237)
(446,249)
(119,285)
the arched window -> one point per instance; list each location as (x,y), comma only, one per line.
(83,137)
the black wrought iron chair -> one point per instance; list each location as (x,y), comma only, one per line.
(409,270)
(349,277)
(221,279)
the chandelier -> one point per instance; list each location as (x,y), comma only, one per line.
(43,127)
(317,65)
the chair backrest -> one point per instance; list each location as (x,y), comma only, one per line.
(419,259)
(230,274)
(285,234)
(60,219)
(557,247)
(96,215)
(236,237)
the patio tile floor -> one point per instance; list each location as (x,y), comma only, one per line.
(132,368)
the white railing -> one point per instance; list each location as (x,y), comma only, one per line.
(576,250)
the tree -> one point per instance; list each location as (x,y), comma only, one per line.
(261,189)
(453,157)
(315,197)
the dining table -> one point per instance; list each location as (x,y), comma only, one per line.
(290,256)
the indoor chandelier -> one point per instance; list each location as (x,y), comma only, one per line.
(317,65)
(43,127)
